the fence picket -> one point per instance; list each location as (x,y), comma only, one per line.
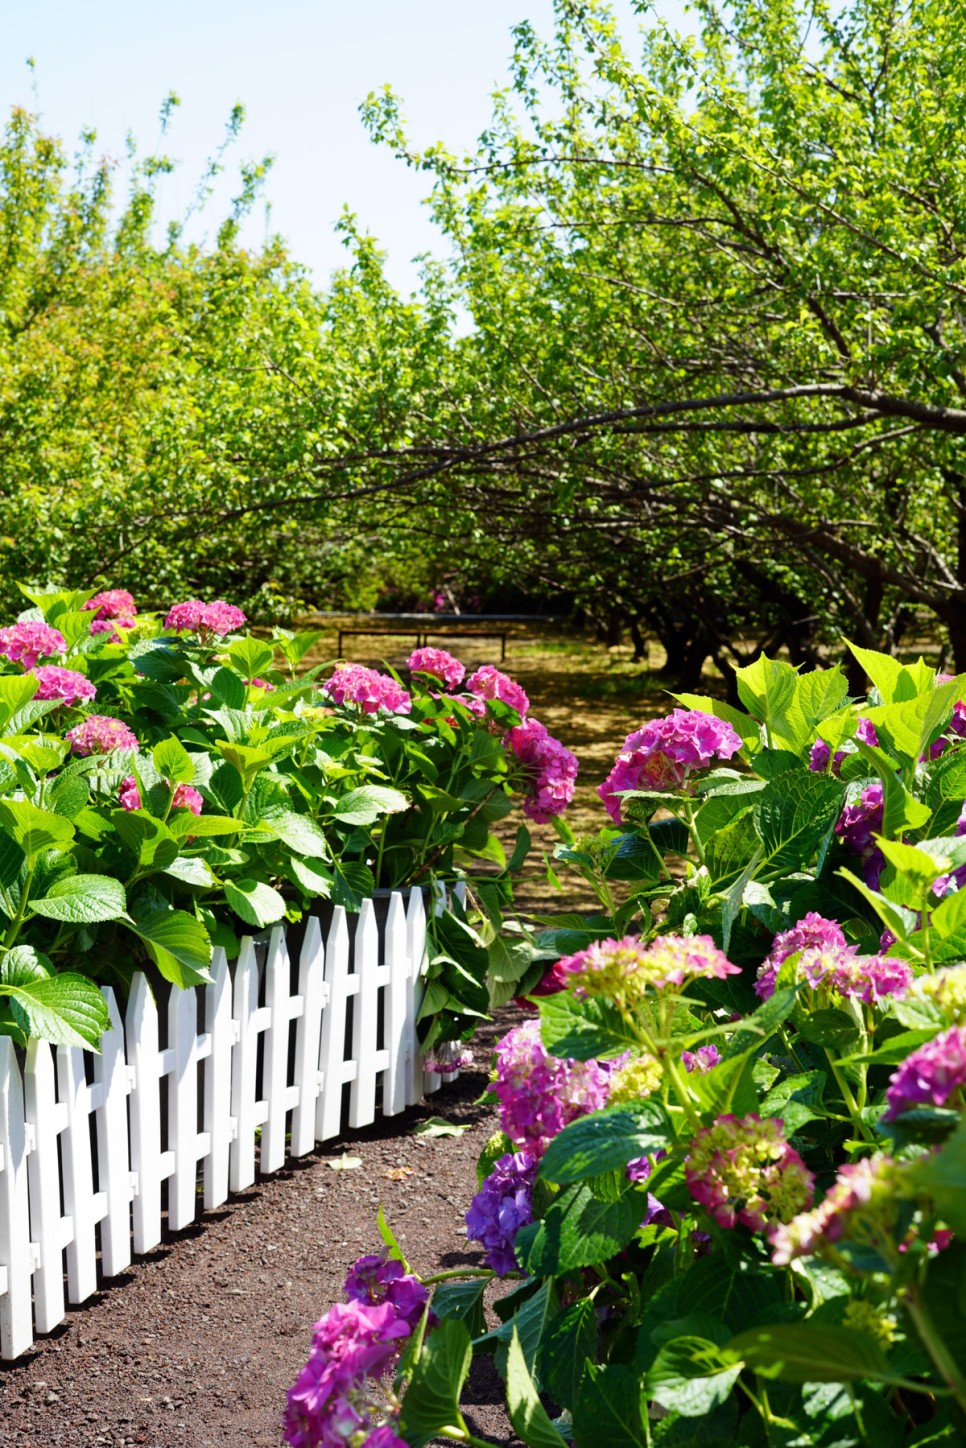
(219,1122)
(55,1191)
(16,1318)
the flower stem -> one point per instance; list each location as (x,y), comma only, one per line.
(932,1341)
(692,830)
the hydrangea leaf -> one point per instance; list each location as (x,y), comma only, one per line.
(605,1141)
(432,1397)
(811,1352)
(83,900)
(527,1414)
(609,1408)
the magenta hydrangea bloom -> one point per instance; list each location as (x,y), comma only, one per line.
(623,970)
(439,664)
(501,1207)
(812,930)
(330,1402)
(129,795)
(702,1059)
(742,1169)
(185,797)
(374,1279)
(862,819)
(111,626)
(663,755)
(26,642)
(207,620)
(368,689)
(865,733)
(550,769)
(67,686)
(862,1199)
(113,603)
(930,1074)
(868,978)
(540,1094)
(489,683)
(100,734)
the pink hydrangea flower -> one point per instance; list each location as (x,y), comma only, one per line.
(113,603)
(67,686)
(812,930)
(865,733)
(501,1207)
(702,1059)
(861,1200)
(930,1074)
(207,620)
(129,795)
(439,664)
(550,769)
(868,978)
(111,626)
(330,1402)
(742,1169)
(100,734)
(623,970)
(185,797)
(29,641)
(489,683)
(540,1094)
(367,688)
(663,755)
(265,684)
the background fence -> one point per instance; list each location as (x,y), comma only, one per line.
(185,1103)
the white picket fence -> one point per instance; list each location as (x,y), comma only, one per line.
(265,1057)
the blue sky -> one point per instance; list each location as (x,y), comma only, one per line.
(301,68)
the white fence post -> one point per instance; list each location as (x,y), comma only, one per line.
(309,1073)
(415,990)
(365,1015)
(109,1095)
(16,1318)
(80,1200)
(249,1114)
(399,1038)
(219,1122)
(149,1164)
(332,1046)
(49,1229)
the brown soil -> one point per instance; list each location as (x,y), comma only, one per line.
(198,1342)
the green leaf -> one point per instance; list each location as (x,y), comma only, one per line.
(351,884)
(298,832)
(792,816)
(228,689)
(581,1030)
(608,1409)
(768,688)
(755,1029)
(605,1141)
(183,822)
(173,762)
(432,1399)
(255,902)
(691,1376)
(178,944)
(149,840)
(821,693)
(192,871)
(309,879)
(811,1352)
(23,964)
(943,1175)
(16,690)
(251,656)
(568,1345)
(33,829)
(83,900)
(363,806)
(884,670)
(439,1126)
(579,1230)
(527,1414)
(67,1009)
(464,1301)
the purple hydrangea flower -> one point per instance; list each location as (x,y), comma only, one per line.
(540,1094)
(501,1207)
(330,1402)
(862,819)
(812,930)
(865,734)
(376,1279)
(930,1074)
(663,754)
(702,1059)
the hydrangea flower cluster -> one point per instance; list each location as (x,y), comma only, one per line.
(820,754)
(869,978)
(184,796)
(701,1060)
(367,688)
(26,642)
(208,620)
(742,1169)
(100,734)
(635,1079)
(813,930)
(67,686)
(377,1278)
(112,603)
(489,683)
(857,824)
(862,1199)
(448,1058)
(930,1074)
(947,987)
(501,1207)
(550,768)
(444,667)
(664,754)
(623,970)
(540,1094)
(865,734)
(332,1401)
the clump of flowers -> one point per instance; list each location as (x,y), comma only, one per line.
(820,754)
(861,1202)
(624,970)
(947,987)
(930,1074)
(540,1094)
(208,620)
(665,753)
(489,683)
(113,603)
(501,1207)
(742,1169)
(183,797)
(865,734)
(378,1278)
(858,823)
(701,1060)
(26,642)
(100,734)
(67,686)
(331,1400)
(634,1080)
(448,1058)
(367,688)
(549,767)
(812,930)
(866,978)
(439,665)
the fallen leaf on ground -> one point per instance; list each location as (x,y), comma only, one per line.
(345,1162)
(399,1173)
(436,1126)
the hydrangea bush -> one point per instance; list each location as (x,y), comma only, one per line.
(727,1198)
(169,782)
